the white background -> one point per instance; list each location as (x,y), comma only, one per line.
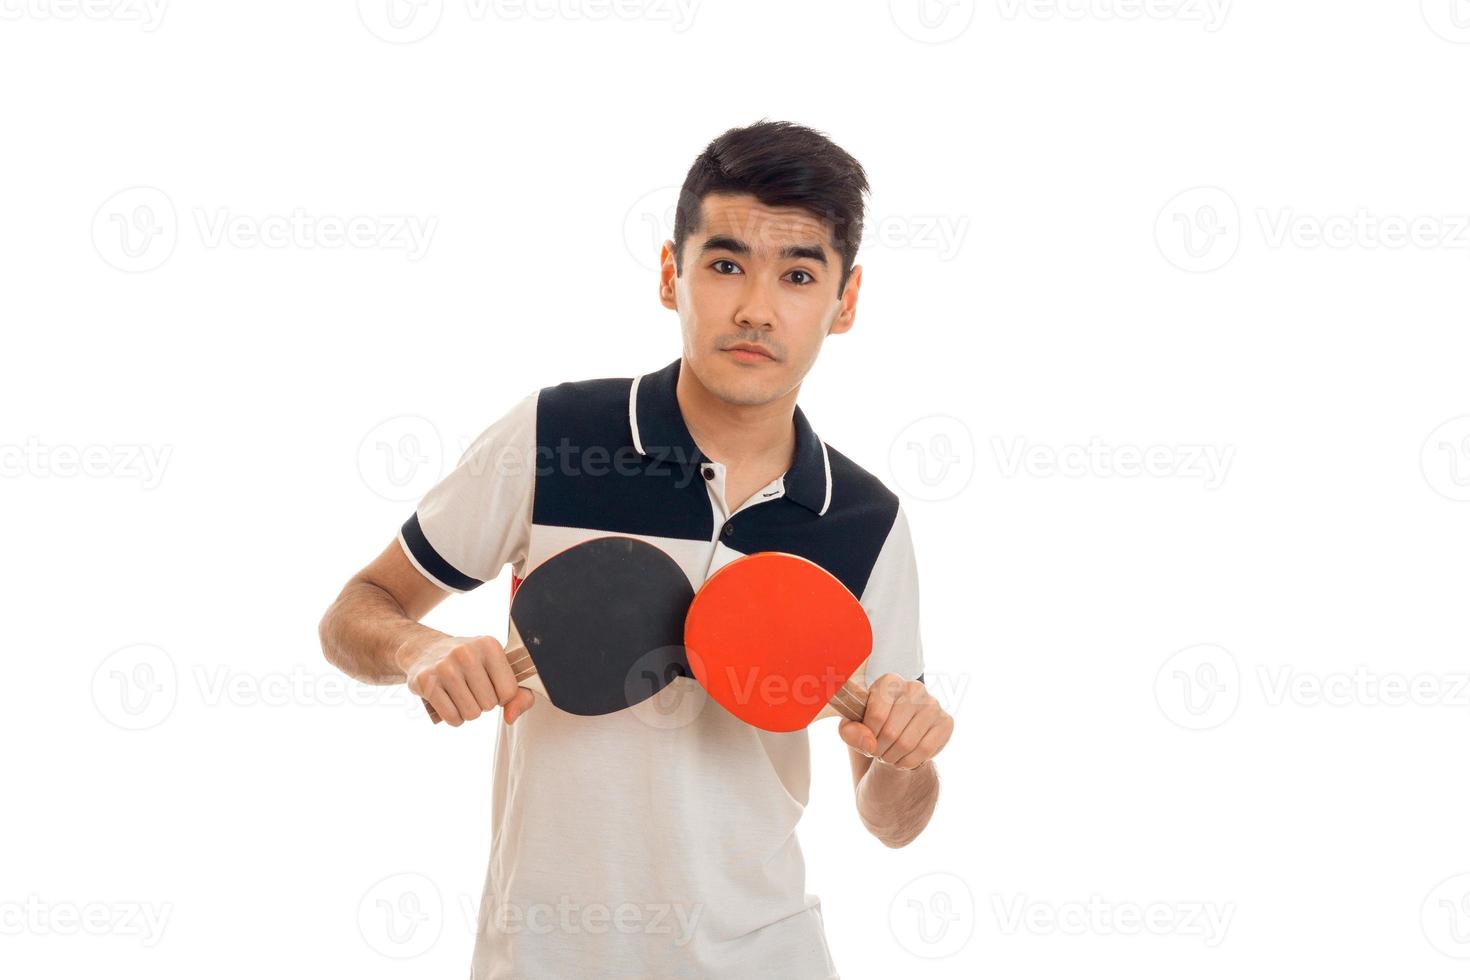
(1226,699)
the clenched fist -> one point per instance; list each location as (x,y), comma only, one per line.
(461,677)
(904,726)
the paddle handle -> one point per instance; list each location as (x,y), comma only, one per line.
(520,661)
(851,700)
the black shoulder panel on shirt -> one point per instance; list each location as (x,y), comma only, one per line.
(845,541)
(588,474)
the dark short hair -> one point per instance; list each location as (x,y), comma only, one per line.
(783,165)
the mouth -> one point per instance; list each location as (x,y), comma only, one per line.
(749,353)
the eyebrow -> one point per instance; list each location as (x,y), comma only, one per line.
(724,243)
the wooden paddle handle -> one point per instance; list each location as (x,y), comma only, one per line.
(851,700)
(520,662)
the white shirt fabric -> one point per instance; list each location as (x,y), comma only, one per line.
(657,841)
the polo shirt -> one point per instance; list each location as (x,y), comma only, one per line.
(660,840)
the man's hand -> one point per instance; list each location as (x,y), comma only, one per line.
(903,727)
(463,677)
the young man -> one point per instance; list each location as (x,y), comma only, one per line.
(674,838)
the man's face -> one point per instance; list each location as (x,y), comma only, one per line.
(758,276)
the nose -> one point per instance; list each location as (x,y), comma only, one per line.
(755,310)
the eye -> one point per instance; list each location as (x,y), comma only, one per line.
(719,262)
(803,272)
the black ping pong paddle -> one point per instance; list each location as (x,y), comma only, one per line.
(601,624)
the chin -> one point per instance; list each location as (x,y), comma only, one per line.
(744,396)
(732,383)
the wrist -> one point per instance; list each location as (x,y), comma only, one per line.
(414,646)
(889,771)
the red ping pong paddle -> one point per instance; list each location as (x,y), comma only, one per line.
(776,640)
(599,625)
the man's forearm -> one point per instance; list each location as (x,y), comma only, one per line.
(364,632)
(896,804)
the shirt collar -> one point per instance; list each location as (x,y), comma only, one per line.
(658,428)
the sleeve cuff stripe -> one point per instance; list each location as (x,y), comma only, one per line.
(430,561)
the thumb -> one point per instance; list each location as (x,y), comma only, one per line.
(859,736)
(523,700)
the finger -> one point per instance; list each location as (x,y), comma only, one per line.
(472,665)
(898,719)
(908,740)
(927,749)
(502,675)
(857,736)
(880,705)
(441,702)
(886,692)
(523,701)
(459,692)
(433,715)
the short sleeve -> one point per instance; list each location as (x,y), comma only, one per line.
(891,599)
(478,517)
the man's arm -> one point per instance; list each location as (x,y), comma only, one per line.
(371,632)
(903,727)
(378,613)
(892,753)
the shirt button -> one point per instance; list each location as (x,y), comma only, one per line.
(709,474)
(729,528)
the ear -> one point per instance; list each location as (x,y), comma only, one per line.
(667,274)
(847,302)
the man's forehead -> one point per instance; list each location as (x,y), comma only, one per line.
(761,226)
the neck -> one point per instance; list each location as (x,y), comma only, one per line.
(737,435)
